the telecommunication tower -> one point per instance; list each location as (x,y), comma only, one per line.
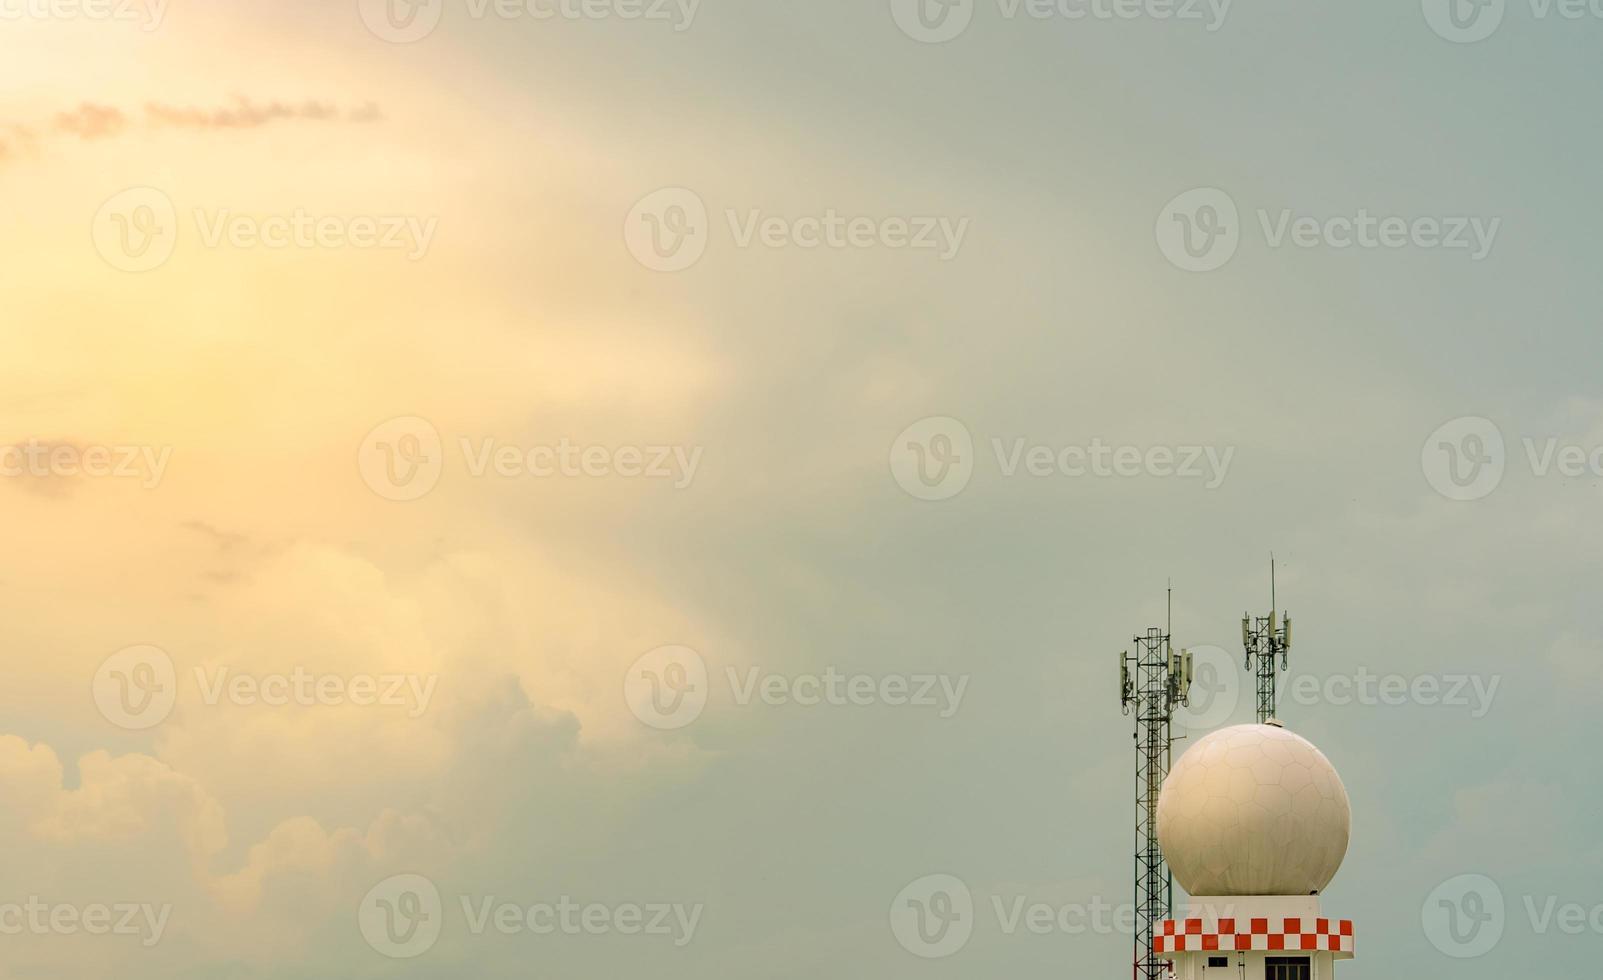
(1152,683)
(1266,638)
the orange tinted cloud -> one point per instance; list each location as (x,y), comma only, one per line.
(90,121)
(16,138)
(245,114)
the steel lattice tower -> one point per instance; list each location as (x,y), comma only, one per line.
(1265,638)
(1153,682)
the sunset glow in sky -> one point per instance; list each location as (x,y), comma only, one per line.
(513,446)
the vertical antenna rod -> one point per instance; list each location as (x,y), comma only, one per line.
(1159,683)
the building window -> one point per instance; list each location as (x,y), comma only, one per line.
(1285,968)
(1217,961)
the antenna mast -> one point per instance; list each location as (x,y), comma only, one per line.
(1152,683)
(1265,638)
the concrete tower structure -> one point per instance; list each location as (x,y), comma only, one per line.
(1254,823)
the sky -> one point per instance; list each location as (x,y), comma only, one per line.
(611,487)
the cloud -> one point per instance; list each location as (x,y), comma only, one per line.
(243,114)
(94,121)
(90,121)
(123,800)
(301,848)
(136,830)
(17,138)
(225,540)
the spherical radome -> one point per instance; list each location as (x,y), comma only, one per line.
(1253,810)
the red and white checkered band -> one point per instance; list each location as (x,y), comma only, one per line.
(1239,935)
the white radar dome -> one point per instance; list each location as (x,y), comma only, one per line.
(1253,810)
